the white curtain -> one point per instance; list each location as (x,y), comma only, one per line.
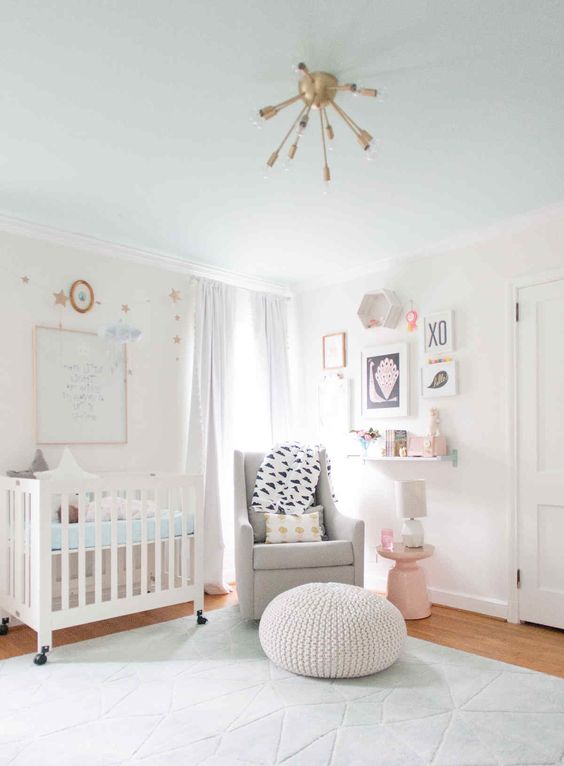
(270,319)
(209,429)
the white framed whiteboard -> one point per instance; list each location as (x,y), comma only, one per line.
(80,388)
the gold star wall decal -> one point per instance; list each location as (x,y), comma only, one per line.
(174,295)
(125,308)
(25,280)
(60,298)
(176,339)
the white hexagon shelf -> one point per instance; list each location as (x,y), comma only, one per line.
(380,308)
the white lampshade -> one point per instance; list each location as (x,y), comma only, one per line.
(411,500)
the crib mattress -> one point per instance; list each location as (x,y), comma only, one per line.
(106,531)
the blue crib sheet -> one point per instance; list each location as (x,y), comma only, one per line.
(106,529)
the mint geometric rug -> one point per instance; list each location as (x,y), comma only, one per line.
(175,694)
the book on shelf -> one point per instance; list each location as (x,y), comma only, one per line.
(400,441)
(395,440)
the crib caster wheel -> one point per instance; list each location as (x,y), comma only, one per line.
(4,626)
(201,620)
(41,658)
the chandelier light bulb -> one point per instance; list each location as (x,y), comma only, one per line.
(302,125)
(255,118)
(371,153)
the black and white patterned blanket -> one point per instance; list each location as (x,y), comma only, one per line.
(286,479)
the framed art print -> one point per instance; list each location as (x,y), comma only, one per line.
(334,351)
(80,388)
(438,332)
(385,381)
(438,380)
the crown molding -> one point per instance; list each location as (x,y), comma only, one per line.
(506,226)
(166,261)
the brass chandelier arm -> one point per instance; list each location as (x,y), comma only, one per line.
(328,127)
(344,117)
(347,117)
(303,68)
(326,171)
(292,127)
(288,102)
(350,86)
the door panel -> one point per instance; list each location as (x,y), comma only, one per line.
(540,440)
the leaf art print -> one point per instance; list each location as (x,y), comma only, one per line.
(439,380)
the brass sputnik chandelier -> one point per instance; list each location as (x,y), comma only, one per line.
(317,90)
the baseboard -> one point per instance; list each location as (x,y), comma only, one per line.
(491,607)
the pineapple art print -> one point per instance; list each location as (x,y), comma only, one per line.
(383,381)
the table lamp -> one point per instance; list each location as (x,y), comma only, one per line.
(411,505)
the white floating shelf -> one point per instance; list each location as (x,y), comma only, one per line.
(452,457)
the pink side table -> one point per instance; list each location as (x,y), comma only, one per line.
(406,581)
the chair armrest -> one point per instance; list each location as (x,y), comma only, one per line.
(346,528)
(244,541)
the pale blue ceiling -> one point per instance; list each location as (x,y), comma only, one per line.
(128,121)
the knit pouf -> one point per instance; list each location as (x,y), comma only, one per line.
(331,630)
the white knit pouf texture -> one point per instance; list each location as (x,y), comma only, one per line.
(331,630)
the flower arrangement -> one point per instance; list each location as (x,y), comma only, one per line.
(366,437)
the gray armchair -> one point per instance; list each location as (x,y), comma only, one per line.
(265,570)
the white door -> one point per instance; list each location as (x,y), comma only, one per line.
(540,435)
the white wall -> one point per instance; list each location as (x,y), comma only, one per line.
(157,384)
(468,506)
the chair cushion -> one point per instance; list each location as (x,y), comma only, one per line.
(291,528)
(330,553)
(258,522)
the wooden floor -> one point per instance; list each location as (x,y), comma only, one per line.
(530,646)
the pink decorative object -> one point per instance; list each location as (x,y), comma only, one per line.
(426,446)
(387,539)
(411,318)
(406,581)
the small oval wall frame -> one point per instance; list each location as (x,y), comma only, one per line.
(81,296)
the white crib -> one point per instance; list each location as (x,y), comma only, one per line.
(137,545)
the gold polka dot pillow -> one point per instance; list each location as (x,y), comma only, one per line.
(290,528)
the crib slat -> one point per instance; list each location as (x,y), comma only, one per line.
(27,516)
(98,549)
(171,540)
(183,539)
(128,546)
(10,537)
(114,551)
(19,535)
(64,551)
(81,551)
(158,543)
(143,541)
